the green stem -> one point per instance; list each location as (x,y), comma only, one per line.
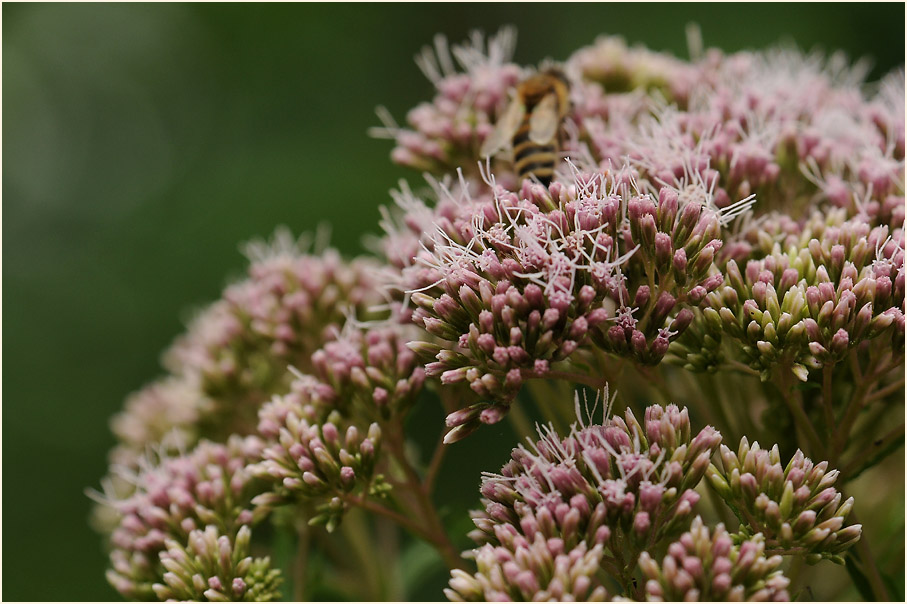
(624,575)
(858,462)
(692,388)
(610,567)
(870,568)
(545,400)
(430,523)
(854,361)
(377,508)
(434,465)
(887,390)
(858,401)
(796,568)
(450,399)
(388,537)
(710,385)
(433,534)
(865,431)
(563,393)
(733,365)
(742,413)
(357,534)
(301,561)
(827,402)
(654,378)
(720,507)
(795,406)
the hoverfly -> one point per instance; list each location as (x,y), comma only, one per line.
(530,124)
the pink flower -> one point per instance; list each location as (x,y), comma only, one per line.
(709,567)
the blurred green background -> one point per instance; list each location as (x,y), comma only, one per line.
(142,143)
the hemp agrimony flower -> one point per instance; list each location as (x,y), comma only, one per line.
(311,459)
(166,409)
(448,132)
(215,569)
(536,570)
(738,215)
(795,508)
(370,374)
(524,280)
(703,567)
(807,307)
(174,496)
(604,494)
(287,307)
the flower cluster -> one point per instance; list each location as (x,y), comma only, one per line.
(619,68)
(238,349)
(165,410)
(794,129)
(636,480)
(213,568)
(780,124)
(210,486)
(162,418)
(795,507)
(612,489)
(448,132)
(524,570)
(806,307)
(314,459)
(703,567)
(236,353)
(519,282)
(369,374)
(647,244)
(323,437)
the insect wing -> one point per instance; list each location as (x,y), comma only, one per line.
(544,121)
(505,128)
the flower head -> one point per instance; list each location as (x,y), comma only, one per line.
(215,568)
(781,125)
(617,486)
(531,570)
(472,91)
(288,306)
(806,307)
(314,459)
(795,507)
(160,419)
(521,280)
(369,373)
(619,68)
(703,567)
(167,408)
(174,496)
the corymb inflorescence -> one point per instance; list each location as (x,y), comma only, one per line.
(719,242)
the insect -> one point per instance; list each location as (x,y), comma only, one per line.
(531,123)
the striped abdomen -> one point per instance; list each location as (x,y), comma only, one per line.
(532,158)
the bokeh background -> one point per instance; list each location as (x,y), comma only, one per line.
(143,143)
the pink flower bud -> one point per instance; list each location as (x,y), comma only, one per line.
(680,261)
(682,320)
